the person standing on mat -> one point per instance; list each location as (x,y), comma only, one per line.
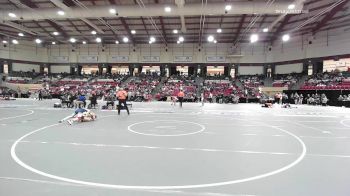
(121,96)
(180,97)
(202,98)
(40,95)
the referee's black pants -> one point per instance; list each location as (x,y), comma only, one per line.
(120,102)
(181,99)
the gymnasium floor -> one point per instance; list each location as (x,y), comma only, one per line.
(215,150)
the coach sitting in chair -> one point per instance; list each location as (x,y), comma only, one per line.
(110,101)
(65,100)
(81,101)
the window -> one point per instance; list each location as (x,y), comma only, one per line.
(6,68)
(215,70)
(332,65)
(233,72)
(310,69)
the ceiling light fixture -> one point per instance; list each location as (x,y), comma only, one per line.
(265,30)
(291,6)
(152,39)
(117,42)
(210,38)
(181,39)
(38,41)
(72,40)
(12,15)
(285,38)
(93,32)
(254,38)
(20,34)
(175,31)
(133,31)
(112,11)
(215,41)
(4,41)
(55,33)
(98,40)
(228,7)
(84,42)
(53,43)
(61,13)
(14,41)
(167,9)
(218,30)
(125,40)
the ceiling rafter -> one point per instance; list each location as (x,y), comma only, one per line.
(240,25)
(229,23)
(329,16)
(279,29)
(58,29)
(262,20)
(126,27)
(125,24)
(162,23)
(31,4)
(144,25)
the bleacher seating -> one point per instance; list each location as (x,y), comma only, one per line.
(20,77)
(251,85)
(141,88)
(285,80)
(175,83)
(327,81)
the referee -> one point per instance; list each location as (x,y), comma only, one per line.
(180,97)
(121,96)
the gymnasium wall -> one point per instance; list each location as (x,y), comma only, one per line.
(25,67)
(60,68)
(25,51)
(289,68)
(250,70)
(210,53)
(299,48)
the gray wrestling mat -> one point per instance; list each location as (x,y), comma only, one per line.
(215,150)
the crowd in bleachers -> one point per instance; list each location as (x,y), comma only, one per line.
(142,87)
(221,91)
(21,77)
(216,77)
(175,83)
(327,81)
(285,80)
(52,77)
(111,79)
(145,87)
(251,85)
(252,81)
(79,85)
